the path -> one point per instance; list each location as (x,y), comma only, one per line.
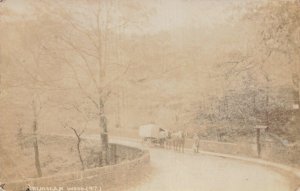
(175,171)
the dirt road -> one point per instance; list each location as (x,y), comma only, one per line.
(175,171)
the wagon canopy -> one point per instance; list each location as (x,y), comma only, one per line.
(151,130)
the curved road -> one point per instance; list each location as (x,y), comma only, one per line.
(175,171)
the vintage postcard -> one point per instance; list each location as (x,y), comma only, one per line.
(149,95)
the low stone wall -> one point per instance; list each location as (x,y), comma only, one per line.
(229,148)
(269,151)
(281,154)
(133,161)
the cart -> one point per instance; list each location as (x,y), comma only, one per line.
(152,134)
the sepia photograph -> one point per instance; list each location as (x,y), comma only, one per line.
(149,95)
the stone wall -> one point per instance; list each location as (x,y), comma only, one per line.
(133,161)
(229,148)
(269,151)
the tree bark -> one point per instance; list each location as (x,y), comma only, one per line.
(79,153)
(267,110)
(78,147)
(36,151)
(104,133)
(258,142)
(35,139)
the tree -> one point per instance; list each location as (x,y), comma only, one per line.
(30,77)
(78,135)
(36,112)
(258,71)
(89,54)
(278,24)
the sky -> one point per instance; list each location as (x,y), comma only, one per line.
(163,14)
(171,14)
(20,6)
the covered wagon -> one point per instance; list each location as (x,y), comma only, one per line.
(152,134)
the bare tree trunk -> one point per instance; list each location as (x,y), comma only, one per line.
(267,101)
(296,101)
(35,139)
(104,133)
(78,135)
(254,104)
(258,142)
(267,105)
(267,110)
(102,50)
(36,149)
(79,154)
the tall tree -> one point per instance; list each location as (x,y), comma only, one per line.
(92,54)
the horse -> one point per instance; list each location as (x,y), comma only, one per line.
(163,135)
(179,141)
(168,141)
(175,140)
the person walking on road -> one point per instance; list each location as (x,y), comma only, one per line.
(196,142)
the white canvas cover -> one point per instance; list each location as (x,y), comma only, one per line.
(149,130)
